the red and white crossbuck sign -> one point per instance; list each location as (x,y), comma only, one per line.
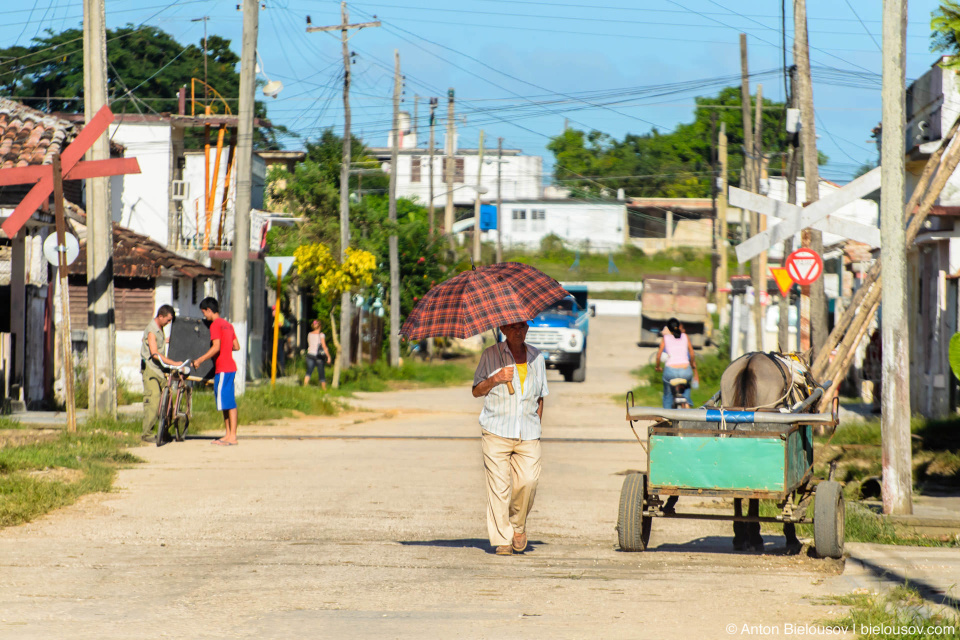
(72,169)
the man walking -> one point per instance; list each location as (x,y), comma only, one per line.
(510,438)
(223,342)
(152,358)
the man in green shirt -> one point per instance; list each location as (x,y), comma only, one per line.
(151,357)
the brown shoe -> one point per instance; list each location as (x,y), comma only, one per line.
(519,542)
(504,550)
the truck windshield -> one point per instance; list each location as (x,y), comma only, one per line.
(565,307)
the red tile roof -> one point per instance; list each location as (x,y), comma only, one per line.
(137,256)
(30,137)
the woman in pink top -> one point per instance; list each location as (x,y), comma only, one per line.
(680,361)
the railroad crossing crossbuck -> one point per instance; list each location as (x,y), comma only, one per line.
(816,215)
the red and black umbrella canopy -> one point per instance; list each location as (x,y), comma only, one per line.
(482,299)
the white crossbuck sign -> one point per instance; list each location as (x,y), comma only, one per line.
(816,215)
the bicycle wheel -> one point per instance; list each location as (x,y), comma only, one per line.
(187,404)
(164,420)
(181,413)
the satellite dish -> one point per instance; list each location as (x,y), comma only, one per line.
(272,88)
(50,248)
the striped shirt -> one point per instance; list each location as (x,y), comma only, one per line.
(512,416)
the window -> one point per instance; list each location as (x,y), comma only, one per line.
(458,173)
(415,169)
(197,285)
(538,220)
(519,217)
(176,290)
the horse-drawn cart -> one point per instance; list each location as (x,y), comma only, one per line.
(731,454)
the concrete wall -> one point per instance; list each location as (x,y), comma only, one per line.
(601,227)
(194,225)
(140,201)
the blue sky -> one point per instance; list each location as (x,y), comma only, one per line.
(520,67)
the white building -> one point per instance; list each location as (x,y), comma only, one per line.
(587,225)
(166,202)
(520,175)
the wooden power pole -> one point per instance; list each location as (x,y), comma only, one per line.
(499,201)
(344,28)
(759,266)
(432,216)
(813,306)
(895,391)
(722,286)
(239,291)
(101,332)
(477,258)
(65,341)
(394,258)
(449,169)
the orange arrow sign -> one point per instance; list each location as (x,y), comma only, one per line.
(784,281)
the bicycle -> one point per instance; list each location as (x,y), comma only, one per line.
(176,403)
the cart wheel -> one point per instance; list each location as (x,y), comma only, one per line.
(828,518)
(633,528)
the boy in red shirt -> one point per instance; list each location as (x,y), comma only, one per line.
(225,369)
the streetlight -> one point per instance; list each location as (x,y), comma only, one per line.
(273,87)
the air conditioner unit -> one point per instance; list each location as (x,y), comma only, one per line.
(180,190)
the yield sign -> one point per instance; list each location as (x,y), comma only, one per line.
(782,278)
(804,266)
(72,169)
(816,215)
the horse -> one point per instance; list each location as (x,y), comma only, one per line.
(760,382)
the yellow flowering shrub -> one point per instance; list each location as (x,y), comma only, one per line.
(316,266)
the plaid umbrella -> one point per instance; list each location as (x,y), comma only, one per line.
(485,298)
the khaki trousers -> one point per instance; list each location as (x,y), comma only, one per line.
(153,384)
(512,469)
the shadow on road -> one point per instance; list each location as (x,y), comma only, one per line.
(465,543)
(773,546)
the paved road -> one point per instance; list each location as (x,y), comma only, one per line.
(377,529)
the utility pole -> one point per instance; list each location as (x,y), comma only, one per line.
(477,258)
(239,290)
(413,123)
(205,49)
(759,222)
(448,166)
(65,341)
(499,201)
(432,216)
(344,27)
(749,181)
(101,332)
(895,391)
(722,215)
(813,305)
(394,258)
(746,179)
(783,333)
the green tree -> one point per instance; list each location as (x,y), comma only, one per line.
(945,30)
(675,164)
(147,67)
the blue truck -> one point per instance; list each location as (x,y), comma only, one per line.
(560,333)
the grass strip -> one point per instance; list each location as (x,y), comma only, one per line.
(899,613)
(53,472)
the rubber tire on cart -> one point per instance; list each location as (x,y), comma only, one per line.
(829,512)
(162,423)
(633,528)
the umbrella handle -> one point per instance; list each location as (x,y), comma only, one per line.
(510,388)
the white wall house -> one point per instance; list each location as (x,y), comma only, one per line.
(581,224)
(933,105)
(520,175)
(141,202)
